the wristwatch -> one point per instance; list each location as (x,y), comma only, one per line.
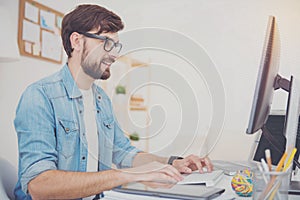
(172,158)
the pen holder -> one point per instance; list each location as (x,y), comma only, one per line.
(271,185)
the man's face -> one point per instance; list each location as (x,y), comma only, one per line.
(96,61)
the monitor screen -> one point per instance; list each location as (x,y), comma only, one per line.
(267,74)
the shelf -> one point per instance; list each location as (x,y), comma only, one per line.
(132,62)
(138,108)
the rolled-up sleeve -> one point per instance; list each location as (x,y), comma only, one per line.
(35,127)
(129,156)
(124,152)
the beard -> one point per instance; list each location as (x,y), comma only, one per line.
(96,65)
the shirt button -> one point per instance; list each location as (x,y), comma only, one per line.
(98,111)
(99,97)
(67,129)
(80,111)
(83,157)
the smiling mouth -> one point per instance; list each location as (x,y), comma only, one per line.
(108,61)
(106,64)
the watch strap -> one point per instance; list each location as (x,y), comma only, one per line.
(172,158)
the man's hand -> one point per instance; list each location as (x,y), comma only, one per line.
(155,174)
(192,163)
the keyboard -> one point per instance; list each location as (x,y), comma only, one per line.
(207,178)
(230,168)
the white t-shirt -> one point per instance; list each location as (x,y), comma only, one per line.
(91,133)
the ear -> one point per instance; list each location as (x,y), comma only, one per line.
(76,41)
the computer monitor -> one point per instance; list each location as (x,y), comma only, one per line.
(267,82)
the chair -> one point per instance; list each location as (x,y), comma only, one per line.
(8,180)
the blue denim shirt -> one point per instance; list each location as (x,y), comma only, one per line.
(51,133)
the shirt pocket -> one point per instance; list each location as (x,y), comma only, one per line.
(108,128)
(68,136)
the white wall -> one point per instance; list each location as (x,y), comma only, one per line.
(232,33)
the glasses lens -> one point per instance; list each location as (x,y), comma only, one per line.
(109,45)
(118,47)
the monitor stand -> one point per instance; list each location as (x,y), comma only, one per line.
(294,187)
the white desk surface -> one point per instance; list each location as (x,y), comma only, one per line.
(224,183)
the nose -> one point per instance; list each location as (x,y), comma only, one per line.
(114,53)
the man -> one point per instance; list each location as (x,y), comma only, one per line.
(63,152)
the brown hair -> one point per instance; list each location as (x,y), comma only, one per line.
(85,18)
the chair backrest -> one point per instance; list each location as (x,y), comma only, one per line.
(8,179)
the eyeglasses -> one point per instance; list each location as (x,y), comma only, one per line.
(109,44)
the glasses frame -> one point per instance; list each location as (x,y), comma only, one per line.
(105,39)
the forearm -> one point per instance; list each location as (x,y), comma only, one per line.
(56,184)
(144,158)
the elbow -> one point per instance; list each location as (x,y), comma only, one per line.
(36,187)
(33,190)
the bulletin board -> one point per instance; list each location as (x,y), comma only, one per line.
(39,31)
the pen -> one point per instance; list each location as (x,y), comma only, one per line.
(264,165)
(262,173)
(268,158)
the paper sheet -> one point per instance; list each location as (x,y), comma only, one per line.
(47,20)
(36,48)
(58,21)
(31,32)
(51,46)
(28,47)
(31,12)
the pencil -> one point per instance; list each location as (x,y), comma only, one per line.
(281,162)
(291,158)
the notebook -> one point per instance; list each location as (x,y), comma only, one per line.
(187,192)
(207,178)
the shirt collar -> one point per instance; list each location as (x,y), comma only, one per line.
(69,82)
(72,89)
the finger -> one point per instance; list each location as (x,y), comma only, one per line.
(171,171)
(186,170)
(193,167)
(174,170)
(159,177)
(182,166)
(189,163)
(208,164)
(196,160)
(180,163)
(166,179)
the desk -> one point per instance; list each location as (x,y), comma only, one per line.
(224,183)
